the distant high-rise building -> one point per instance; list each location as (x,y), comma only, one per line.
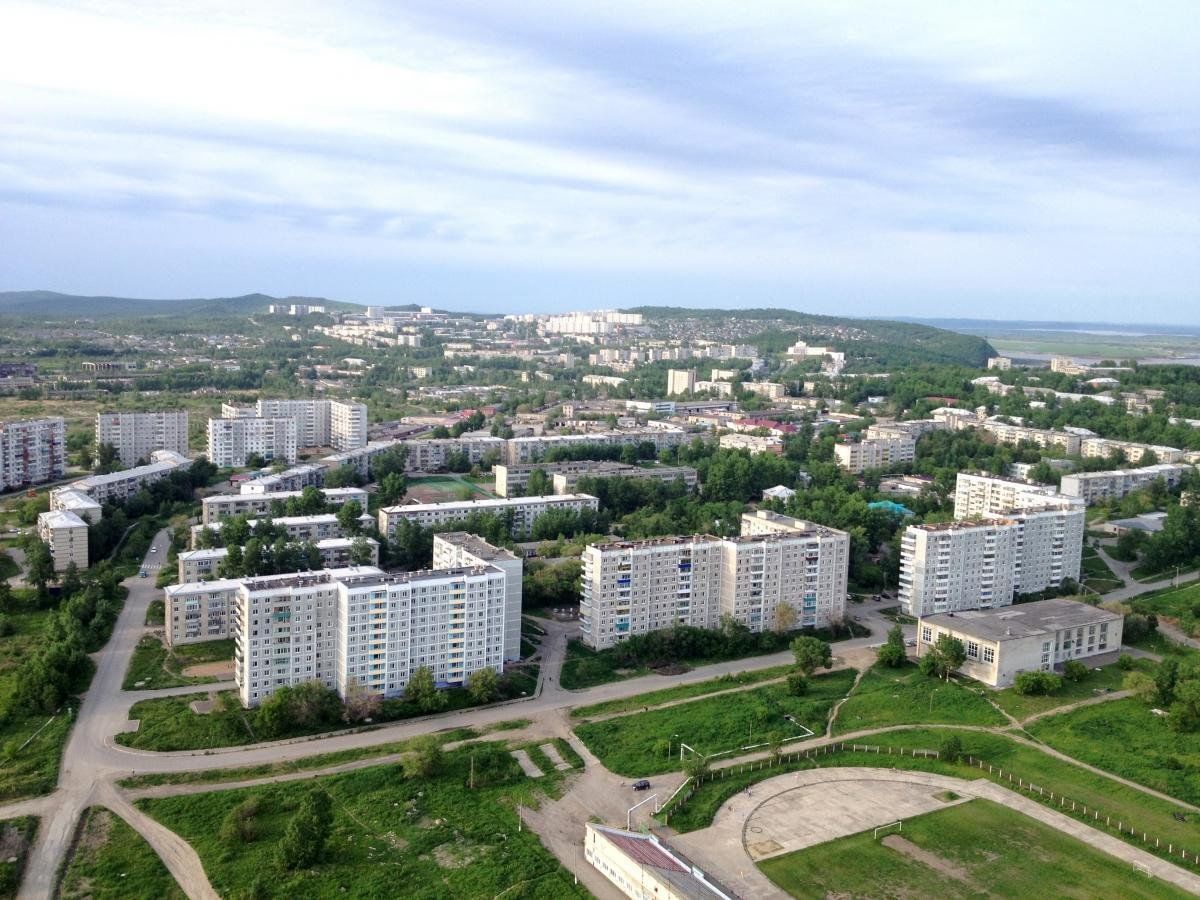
(136,434)
(680,381)
(232,441)
(32,451)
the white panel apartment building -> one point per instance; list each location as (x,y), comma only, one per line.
(299,528)
(136,435)
(876,453)
(523,511)
(457,549)
(222,506)
(117,486)
(634,587)
(954,566)
(199,565)
(297,478)
(67,536)
(1092,487)
(1102,448)
(321,423)
(32,451)
(232,441)
(343,626)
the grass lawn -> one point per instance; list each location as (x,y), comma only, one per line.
(153,665)
(585,667)
(391,835)
(111,861)
(1126,738)
(16,837)
(156,614)
(904,696)
(679,692)
(1096,574)
(1141,573)
(636,745)
(1172,601)
(979,849)
(1097,682)
(1129,805)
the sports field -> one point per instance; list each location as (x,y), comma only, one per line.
(976,849)
(442,488)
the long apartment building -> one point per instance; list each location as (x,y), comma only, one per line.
(434,454)
(458,549)
(232,441)
(319,423)
(317,527)
(349,626)
(222,506)
(522,512)
(1103,448)
(135,435)
(876,453)
(32,451)
(564,476)
(1093,487)
(202,565)
(532,449)
(361,459)
(66,534)
(297,478)
(635,587)
(1045,438)
(117,486)
(952,566)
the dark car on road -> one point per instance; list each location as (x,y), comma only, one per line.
(642,785)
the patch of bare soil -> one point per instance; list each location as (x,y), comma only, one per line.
(912,851)
(95,833)
(202,670)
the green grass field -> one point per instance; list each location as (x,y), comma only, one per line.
(680,692)
(154,666)
(1096,574)
(111,861)
(1108,678)
(16,837)
(1124,737)
(975,849)
(392,835)
(636,745)
(156,614)
(1172,601)
(906,697)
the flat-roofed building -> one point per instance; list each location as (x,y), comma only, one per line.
(456,549)
(297,478)
(955,566)
(135,435)
(32,451)
(876,453)
(66,534)
(232,441)
(1031,637)
(298,528)
(754,443)
(522,512)
(77,502)
(222,506)
(114,487)
(336,552)
(361,459)
(1093,487)
(1102,448)
(511,481)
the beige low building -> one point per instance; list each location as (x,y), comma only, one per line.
(1029,637)
(202,565)
(643,867)
(67,537)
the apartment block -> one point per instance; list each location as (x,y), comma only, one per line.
(767,443)
(32,451)
(433,455)
(222,506)
(457,549)
(67,536)
(347,425)
(976,495)
(299,528)
(564,476)
(232,441)
(912,428)
(1031,637)
(1103,448)
(1015,435)
(521,512)
(135,435)
(877,453)
(77,502)
(953,566)
(117,486)
(680,381)
(201,565)
(297,478)
(635,587)
(1092,487)
(769,389)
(361,459)
(523,450)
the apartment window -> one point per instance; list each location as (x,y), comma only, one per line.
(972,649)
(989,654)
(926,634)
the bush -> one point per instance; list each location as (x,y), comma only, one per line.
(1125,662)
(1074,670)
(951,748)
(1030,684)
(797,683)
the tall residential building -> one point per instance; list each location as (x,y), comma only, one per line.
(635,587)
(1113,485)
(136,435)
(520,512)
(975,495)
(680,381)
(350,626)
(67,536)
(232,441)
(875,453)
(954,566)
(457,549)
(321,423)
(32,451)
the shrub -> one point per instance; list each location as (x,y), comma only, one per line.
(1074,670)
(1125,662)
(1037,683)
(951,748)
(797,683)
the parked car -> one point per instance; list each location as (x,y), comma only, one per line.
(143,574)
(642,785)
(153,549)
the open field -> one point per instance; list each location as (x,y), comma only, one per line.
(111,861)
(1125,804)
(1172,602)
(420,837)
(680,692)
(971,850)
(636,745)
(154,666)
(1098,681)
(441,488)
(906,697)
(1124,737)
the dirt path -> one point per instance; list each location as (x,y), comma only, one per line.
(944,867)
(1079,704)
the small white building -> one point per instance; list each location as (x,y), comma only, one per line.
(779,492)
(67,536)
(1029,637)
(643,866)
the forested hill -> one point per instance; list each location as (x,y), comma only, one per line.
(52,305)
(871,343)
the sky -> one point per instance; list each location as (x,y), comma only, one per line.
(989,159)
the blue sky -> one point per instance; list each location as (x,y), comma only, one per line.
(1018,160)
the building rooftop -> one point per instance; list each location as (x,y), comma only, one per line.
(1023,620)
(61,518)
(649,851)
(475,545)
(489,503)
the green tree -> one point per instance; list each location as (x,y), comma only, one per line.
(107,459)
(347,516)
(423,758)
(303,841)
(392,488)
(422,691)
(343,476)
(539,484)
(1140,685)
(1030,684)
(1074,670)
(811,653)
(1184,714)
(482,685)
(951,749)
(39,568)
(944,657)
(893,653)
(360,551)
(797,683)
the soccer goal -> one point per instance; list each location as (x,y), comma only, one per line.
(1143,869)
(898,825)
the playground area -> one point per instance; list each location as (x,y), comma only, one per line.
(445,488)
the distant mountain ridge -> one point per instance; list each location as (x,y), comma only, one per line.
(50,304)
